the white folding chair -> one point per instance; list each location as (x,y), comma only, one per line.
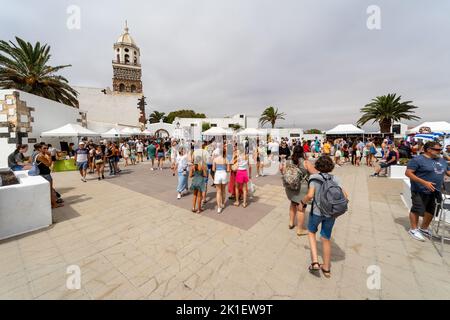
(440,225)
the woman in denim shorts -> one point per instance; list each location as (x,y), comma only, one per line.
(324,165)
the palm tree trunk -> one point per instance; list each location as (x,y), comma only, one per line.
(385,126)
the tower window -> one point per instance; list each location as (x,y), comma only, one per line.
(135,60)
(135,53)
(121,87)
(127,58)
(126,50)
(118,58)
(118,50)
(133,88)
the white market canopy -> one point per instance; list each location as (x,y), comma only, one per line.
(249,132)
(436,126)
(216,131)
(345,129)
(127,132)
(70,130)
(146,132)
(112,133)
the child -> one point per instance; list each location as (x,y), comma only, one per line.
(324,165)
(133,155)
(198,175)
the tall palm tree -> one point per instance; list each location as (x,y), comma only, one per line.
(271,115)
(25,68)
(156,116)
(387,109)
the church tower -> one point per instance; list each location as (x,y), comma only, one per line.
(126,65)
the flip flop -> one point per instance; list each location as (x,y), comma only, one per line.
(326,273)
(314,271)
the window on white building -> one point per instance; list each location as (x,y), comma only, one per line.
(213,124)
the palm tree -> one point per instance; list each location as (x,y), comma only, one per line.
(156,117)
(270,115)
(25,68)
(387,109)
(235,126)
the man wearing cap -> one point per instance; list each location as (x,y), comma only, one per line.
(81,159)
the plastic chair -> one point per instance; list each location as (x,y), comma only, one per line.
(440,225)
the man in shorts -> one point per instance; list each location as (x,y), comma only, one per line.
(81,159)
(426,173)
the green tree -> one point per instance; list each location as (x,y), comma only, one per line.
(270,115)
(387,109)
(156,117)
(183,114)
(24,67)
(205,126)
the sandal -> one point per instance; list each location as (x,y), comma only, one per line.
(199,211)
(236,204)
(291,226)
(193,210)
(326,273)
(244,205)
(314,270)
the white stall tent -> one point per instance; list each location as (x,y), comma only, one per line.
(70,130)
(112,133)
(251,132)
(436,126)
(345,129)
(216,131)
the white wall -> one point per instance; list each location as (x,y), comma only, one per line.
(47,115)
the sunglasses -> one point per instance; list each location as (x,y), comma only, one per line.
(436,149)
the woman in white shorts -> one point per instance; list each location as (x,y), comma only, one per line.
(221,167)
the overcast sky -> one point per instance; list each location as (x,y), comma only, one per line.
(315,60)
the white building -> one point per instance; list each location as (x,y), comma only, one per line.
(117,107)
(242,120)
(108,110)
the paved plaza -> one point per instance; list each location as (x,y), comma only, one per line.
(132,239)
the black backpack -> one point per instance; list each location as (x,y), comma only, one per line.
(332,200)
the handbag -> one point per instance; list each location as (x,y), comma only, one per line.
(34,171)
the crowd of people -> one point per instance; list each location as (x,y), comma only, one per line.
(227,165)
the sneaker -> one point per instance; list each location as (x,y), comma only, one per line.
(219,210)
(152,169)
(416,234)
(179,196)
(425,232)
(99,178)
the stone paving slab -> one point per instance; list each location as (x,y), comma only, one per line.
(131,244)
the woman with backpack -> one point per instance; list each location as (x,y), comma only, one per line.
(322,187)
(294,176)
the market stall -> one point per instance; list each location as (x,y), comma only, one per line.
(64,162)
